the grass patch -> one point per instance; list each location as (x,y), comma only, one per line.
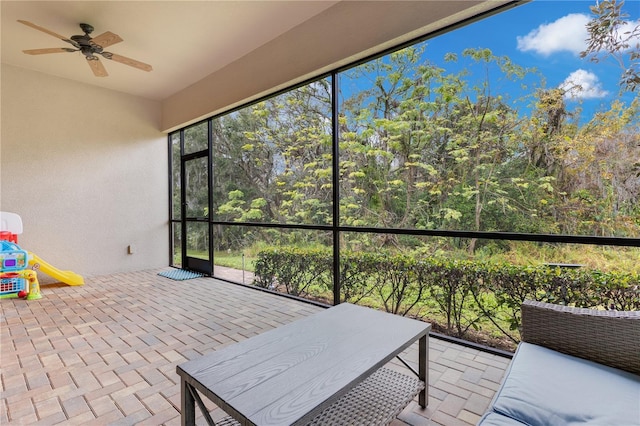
(234,260)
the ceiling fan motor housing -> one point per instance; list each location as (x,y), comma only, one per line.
(85,43)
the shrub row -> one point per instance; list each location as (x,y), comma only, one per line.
(465,294)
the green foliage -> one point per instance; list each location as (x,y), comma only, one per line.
(277,154)
(233,260)
(298,271)
(608,35)
(423,147)
(467,294)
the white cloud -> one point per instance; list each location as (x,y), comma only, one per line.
(628,28)
(582,84)
(565,34)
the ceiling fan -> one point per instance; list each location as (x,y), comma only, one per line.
(90,47)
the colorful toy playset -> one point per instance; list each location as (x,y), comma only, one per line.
(16,279)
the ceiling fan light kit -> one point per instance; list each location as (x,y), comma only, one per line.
(89,47)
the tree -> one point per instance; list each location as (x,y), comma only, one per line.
(242,170)
(483,141)
(611,34)
(423,148)
(273,159)
(603,192)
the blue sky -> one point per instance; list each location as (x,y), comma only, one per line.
(547,35)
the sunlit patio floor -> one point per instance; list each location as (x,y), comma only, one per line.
(106,352)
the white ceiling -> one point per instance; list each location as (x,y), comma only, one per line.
(187,41)
(184,41)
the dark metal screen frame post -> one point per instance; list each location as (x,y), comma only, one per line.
(335,228)
(172,219)
(183,206)
(210,197)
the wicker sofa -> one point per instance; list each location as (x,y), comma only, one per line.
(573,366)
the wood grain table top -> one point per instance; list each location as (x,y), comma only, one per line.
(290,374)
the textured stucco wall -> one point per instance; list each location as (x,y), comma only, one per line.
(86,168)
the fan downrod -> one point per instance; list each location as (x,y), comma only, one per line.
(88,29)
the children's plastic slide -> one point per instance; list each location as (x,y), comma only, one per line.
(67,277)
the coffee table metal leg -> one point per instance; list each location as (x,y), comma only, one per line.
(187,405)
(423,369)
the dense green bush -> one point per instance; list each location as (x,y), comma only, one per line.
(464,294)
(298,271)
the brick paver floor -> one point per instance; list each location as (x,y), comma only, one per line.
(105,353)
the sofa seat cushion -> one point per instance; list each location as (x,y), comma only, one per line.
(545,387)
(492,418)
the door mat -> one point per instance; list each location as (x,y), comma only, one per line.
(180,274)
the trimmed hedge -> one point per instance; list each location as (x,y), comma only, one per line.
(298,270)
(466,294)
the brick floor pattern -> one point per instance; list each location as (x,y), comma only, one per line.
(105,353)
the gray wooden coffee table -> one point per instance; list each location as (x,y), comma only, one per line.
(311,370)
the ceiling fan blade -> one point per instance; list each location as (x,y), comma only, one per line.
(49,50)
(97,67)
(128,61)
(106,39)
(44,30)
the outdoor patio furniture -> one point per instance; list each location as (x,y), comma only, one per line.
(573,366)
(322,369)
